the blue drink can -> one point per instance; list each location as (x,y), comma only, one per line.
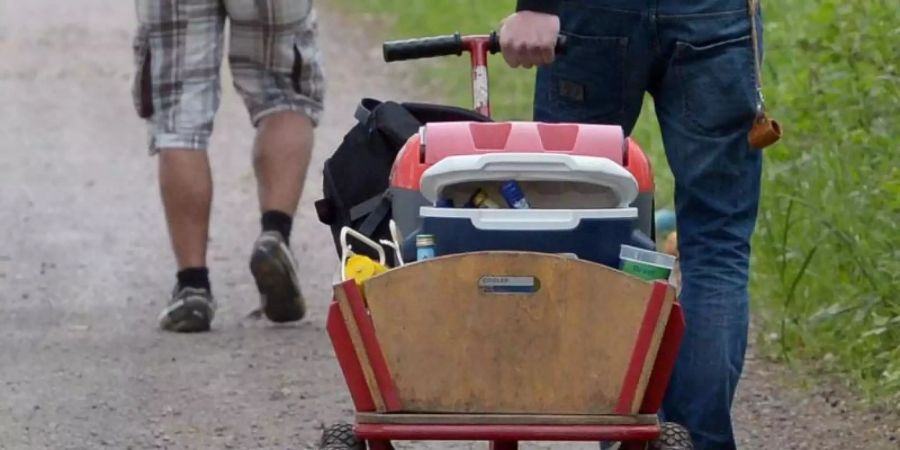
(424,247)
(514,196)
(444,203)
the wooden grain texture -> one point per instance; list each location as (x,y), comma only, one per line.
(504,419)
(452,348)
(650,361)
(347,314)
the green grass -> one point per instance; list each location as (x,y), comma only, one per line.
(826,266)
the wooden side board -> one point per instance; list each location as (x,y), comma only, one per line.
(655,342)
(504,419)
(452,347)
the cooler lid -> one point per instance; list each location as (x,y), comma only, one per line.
(594,170)
(447,139)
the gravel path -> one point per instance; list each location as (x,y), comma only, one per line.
(85,267)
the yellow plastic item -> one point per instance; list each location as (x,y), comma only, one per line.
(361,268)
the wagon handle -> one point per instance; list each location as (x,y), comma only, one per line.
(478,46)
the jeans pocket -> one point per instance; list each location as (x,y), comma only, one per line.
(717,83)
(587,83)
(142,86)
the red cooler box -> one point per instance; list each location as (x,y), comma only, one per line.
(438,141)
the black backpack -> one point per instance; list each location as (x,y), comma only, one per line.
(356,177)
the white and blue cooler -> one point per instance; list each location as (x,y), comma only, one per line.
(579,206)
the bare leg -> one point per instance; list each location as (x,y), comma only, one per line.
(186,186)
(281,157)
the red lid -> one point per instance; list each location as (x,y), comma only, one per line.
(443,139)
(465,138)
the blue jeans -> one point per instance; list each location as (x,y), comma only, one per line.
(696,60)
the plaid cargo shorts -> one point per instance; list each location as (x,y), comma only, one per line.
(274,60)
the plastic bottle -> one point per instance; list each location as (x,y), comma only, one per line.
(514,196)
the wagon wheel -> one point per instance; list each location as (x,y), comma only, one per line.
(340,437)
(672,437)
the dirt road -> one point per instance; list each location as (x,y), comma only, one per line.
(85,266)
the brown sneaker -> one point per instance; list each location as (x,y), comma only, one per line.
(274,270)
(190,310)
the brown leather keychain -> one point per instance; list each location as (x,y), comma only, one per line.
(765,131)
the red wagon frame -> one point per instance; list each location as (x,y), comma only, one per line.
(502,436)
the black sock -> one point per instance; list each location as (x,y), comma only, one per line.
(278,221)
(195,277)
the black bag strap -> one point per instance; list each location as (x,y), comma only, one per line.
(365,207)
(378,214)
(365,108)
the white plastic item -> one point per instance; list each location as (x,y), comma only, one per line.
(526,167)
(647,257)
(528,219)
(394,243)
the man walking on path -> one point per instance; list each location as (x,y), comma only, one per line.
(276,69)
(697,61)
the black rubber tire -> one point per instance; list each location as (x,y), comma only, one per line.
(340,437)
(672,437)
